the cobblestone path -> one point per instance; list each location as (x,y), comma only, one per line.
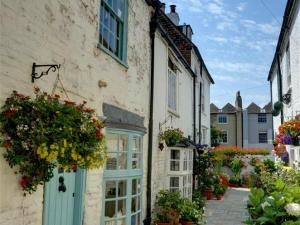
(231,210)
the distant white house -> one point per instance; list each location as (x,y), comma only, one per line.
(284,75)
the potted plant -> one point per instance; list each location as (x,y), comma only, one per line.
(289,133)
(171,136)
(234,182)
(219,191)
(165,216)
(245,180)
(190,213)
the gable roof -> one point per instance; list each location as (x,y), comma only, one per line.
(253,108)
(213,108)
(268,107)
(228,108)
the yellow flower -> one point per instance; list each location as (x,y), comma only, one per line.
(65,143)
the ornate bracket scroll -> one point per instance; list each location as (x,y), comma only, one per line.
(35,75)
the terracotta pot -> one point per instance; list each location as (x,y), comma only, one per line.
(219,196)
(163,224)
(208,194)
(245,186)
(233,185)
(183,222)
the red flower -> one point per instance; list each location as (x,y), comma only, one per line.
(98,134)
(7,145)
(24,182)
(69,102)
(10,113)
(74,168)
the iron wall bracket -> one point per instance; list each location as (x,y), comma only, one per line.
(35,75)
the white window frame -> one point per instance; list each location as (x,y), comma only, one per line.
(226,137)
(184,174)
(222,115)
(262,119)
(173,73)
(263,132)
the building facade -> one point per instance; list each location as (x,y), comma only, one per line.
(181,97)
(249,127)
(105,66)
(257,126)
(284,75)
(140,84)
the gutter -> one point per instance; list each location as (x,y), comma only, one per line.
(153,26)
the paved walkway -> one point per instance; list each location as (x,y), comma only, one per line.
(231,210)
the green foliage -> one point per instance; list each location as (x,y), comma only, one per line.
(168,199)
(190,212)
(278,199)
(216,136)
(42,133)
(236,167)
(220,189)
(171,136)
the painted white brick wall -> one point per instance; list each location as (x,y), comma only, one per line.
(66,32)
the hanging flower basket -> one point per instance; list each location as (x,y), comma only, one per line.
(43,133)
(171,136)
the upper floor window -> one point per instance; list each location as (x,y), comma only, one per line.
(113,29)
(172,87)
(263,137)
(262,118)
(222,118)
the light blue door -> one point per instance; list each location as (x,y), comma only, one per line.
(63,198)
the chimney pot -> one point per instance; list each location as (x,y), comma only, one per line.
(173,8)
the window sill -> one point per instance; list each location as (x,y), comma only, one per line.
(174,113)
(123,63)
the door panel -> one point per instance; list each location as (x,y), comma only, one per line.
(59,199)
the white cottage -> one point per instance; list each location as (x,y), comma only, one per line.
(181,99)
(104,51)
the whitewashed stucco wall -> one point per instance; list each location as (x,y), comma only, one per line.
(66,32)
(183,120)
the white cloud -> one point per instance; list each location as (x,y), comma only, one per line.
(266,28)
(242,6)
(215,9)
(226,78)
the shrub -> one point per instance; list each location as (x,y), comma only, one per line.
(233,150)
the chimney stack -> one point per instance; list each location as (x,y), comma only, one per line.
(173,15)
(238,101)
(163,7)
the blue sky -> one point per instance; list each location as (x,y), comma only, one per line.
(237,39)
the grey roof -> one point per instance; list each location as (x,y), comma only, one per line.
(253,108)
(213,108)
(228,108)
(268,107)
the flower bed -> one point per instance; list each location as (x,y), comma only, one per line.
(45,132)
(233,151)
(276,198)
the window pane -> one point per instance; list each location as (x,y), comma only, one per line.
(110,191)
(172,89)
(174,182)
(175,154)
(137,144)
(134,186)
(110,209)
(111,163)
(121,222)
(112,142)
(121,208)
(122,188)
(123,143)
(134,205)
(175,166)
(123,160)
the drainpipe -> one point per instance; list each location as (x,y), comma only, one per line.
(194,109)
(153,26)
(280,86)
(200,103)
